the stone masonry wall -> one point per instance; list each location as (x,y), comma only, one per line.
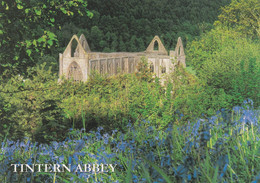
(82,62)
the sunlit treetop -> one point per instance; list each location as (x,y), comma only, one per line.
(27,28)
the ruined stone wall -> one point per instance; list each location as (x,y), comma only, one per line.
(82,62)
(112,66)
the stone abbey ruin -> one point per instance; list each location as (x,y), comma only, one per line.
(80,63)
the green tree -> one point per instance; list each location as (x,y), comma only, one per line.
(114,42)
(27,29)
(132,44)
(121,44)
(225,59)
(242,15)
(96,35)
(145,19)
(140,44)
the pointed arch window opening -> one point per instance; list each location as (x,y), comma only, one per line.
(75,72)
(179,51)
(74,48)
(83,43)
(156,45)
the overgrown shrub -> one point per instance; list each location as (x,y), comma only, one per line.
(226,60)
(43,109)
(30,106)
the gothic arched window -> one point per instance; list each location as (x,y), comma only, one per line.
(75,72)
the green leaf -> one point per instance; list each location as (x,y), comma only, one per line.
(50,42)
(79,12)
(90,14)
(41,39)
(215,177)
(128,178)
(29,52)
(51,35)
(159,170)
(27,10)
(16,58)
(28,43)
(34,42)
(63,10)
(19,6)
(38,12)
(52,20)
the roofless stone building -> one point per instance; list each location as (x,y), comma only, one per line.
(78,64)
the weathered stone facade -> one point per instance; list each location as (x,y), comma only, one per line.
(78,64)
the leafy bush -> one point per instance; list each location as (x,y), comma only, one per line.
(243,16)
(30,106)
(224,59)
(40,108)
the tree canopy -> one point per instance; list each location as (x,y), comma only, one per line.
(28,29)
(242,15)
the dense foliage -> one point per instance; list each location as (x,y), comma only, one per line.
(224,147)
(227,60)
(243,16)
(44,110)
(33,32)
(28,30)
(131,25)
